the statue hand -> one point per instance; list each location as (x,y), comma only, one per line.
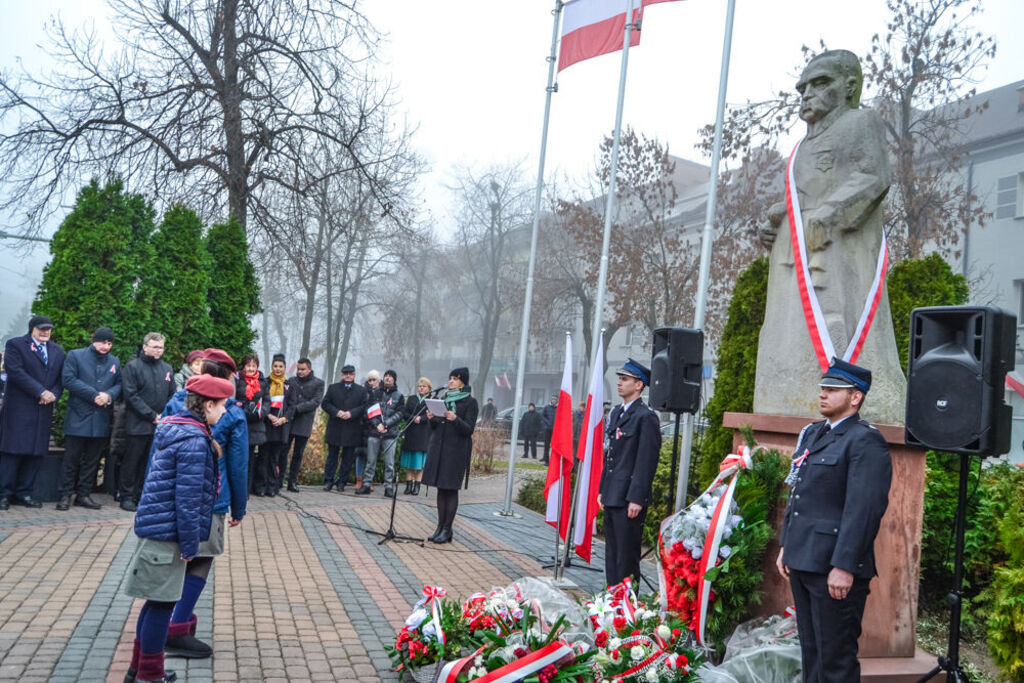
(817,232)
(769,231)
(776,213)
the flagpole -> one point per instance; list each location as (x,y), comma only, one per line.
(525,325)
(561,474)
(706,243)
(602,277)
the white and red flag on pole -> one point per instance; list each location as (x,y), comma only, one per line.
(373,411)
(596,27)
(1015,382)
(556,488)
(591,453)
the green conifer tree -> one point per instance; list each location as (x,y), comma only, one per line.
(234,294)
(177,283)
(100,253)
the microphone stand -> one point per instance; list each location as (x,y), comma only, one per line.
(390,534)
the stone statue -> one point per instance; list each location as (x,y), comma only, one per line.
(842,176)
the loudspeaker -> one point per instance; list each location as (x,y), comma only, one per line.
(958,360)
(676,366)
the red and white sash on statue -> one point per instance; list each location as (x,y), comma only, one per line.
(821,340)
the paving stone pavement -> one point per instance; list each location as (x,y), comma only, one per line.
(302,593)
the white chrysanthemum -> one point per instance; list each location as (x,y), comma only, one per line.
(614,643)
(652,675)
(664,632)
(416,618)
(637,652)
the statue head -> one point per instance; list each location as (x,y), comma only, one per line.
(831,80)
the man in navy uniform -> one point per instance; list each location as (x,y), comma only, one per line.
(35,368)
(92,377)
(840,477)
(632,445)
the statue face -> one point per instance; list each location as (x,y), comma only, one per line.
(823,90)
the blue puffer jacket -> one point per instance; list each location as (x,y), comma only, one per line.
(233,436)
(181,484)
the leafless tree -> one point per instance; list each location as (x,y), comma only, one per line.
(213,100)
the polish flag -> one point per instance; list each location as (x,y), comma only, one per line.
(591,453)
(373,411)
(1014,381)
(596,27)
(277,402)
(560,464)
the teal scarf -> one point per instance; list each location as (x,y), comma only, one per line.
(455,395)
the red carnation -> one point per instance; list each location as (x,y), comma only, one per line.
(601,638)
(619,622)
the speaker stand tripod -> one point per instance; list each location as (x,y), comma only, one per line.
(950,662)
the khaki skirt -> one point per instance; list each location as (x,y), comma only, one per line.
(156,571)
(214,545)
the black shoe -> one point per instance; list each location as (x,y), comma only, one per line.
(293,488)
(26,502)
(433,537)
(408,487)
(170,675)
(328,487)
(364,490)
(128,505)
(64,503)
(389,491)
(86,502)
(4,503)
(445,536)
(416,488)
(188,647)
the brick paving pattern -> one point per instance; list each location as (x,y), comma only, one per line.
(302,592)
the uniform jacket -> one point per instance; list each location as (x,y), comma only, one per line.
(181,484)
(451,446)
(233,465)
(256,409)
(24,424)
(308,394)
(417,435)
(529,424)
(838,499)
(392,411)
(146,385)
(87,372)
(344,433)
(633,444)
(287,410)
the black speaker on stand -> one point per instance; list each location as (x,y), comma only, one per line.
(956,377)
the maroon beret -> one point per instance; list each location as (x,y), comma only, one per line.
(209,386)
(218,356)
(193,356)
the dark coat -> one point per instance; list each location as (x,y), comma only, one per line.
(837,502)
(417,435)
(287,410)
(547,418)
(309,391)
(181,484)
(488,413)
(255,409)
(529,425)
(392,411)
(146,385)
(451,447)
(87,372)
(24,424)
(344,433)
(633,444)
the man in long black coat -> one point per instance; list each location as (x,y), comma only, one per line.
(632,446)
(35,367)
(840,477)
(309,391)
(93,380)
(344,403)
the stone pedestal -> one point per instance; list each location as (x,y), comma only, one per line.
(890,617)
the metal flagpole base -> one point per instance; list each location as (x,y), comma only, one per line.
(502,513)
(563,582)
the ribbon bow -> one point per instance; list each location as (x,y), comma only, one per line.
(431,595)
(624,599)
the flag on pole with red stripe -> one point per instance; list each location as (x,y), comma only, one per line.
(591,455)
(556,488)
(596,27)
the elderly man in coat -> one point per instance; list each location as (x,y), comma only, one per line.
(345,405)
(93,379)
(34,370)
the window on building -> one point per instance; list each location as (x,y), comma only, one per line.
(1008,196)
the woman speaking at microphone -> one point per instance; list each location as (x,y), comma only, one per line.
(451,447)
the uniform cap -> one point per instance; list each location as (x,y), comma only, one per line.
(209,386)
(843,375)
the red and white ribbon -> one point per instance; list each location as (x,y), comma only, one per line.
(624,599)
(730,467)
(431,596)
(821,340)
(1014,381)
(514,671)
(451,670)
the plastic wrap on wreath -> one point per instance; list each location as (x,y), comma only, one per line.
(553,602)
(759,651)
